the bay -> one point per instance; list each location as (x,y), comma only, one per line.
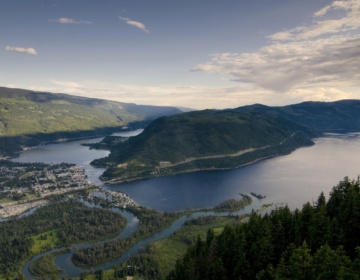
(71,152)
(293,179)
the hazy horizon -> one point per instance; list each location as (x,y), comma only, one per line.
(184,54)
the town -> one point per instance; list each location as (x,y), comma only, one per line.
(26,185)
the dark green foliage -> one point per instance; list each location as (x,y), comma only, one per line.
(44,266)
(204,133)
(150,222)
(143,264)
(210,139)
(339,116)
(232,205)
(283,244)
(203,140)
(74,221)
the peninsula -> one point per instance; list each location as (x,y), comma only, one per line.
(222,139)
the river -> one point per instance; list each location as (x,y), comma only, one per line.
(63,261)
(292,179)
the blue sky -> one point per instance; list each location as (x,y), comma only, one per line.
(198,54)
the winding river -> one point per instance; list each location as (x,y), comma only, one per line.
(64,262)
(292,179)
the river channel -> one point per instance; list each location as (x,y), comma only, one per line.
(64,262)
(292,179)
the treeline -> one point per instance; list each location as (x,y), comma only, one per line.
(321,241)
(150,221)
(45,266)
(148,170)
(156,260)
(73,221)
(257,195)
(232,205)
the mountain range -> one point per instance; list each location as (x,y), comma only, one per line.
(173,141)
(221,139)
(28,118)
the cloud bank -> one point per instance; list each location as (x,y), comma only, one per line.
(324,53)
(136,24)
(30,51)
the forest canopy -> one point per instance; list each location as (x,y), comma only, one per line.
(320,241)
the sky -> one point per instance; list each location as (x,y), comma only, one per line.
(191,53)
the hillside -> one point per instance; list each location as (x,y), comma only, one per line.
(340,116)
(210,139)
(203,140)
(321,241)
(29,118)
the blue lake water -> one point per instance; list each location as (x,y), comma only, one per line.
(293,179)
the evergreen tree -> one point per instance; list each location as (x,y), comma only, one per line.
(300,263)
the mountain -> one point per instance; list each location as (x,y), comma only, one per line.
(29,117)
(219,139)
(339,116)
(203,140)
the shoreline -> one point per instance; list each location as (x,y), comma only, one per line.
(58,141)
(120,181)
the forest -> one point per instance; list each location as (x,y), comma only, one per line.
(150,221)
(57,225)
(320,241)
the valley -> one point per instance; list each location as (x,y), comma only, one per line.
(180,140)
(319,151)
(150,189)
(29,118)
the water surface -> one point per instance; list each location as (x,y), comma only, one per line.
(293,179)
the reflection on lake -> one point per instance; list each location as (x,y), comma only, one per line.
(294,178)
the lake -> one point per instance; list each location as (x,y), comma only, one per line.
(71,152)
(293,179)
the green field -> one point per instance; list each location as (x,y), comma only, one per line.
(45,241)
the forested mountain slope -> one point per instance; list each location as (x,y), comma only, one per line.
(216,139)
(321,241)
(29,117)
(204,140)
(339,116)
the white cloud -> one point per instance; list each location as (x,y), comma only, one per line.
(70,21)
(350,20)
(66,84)
(31,51)
(320,94)
(136,24)
(324,54)
(196,97)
